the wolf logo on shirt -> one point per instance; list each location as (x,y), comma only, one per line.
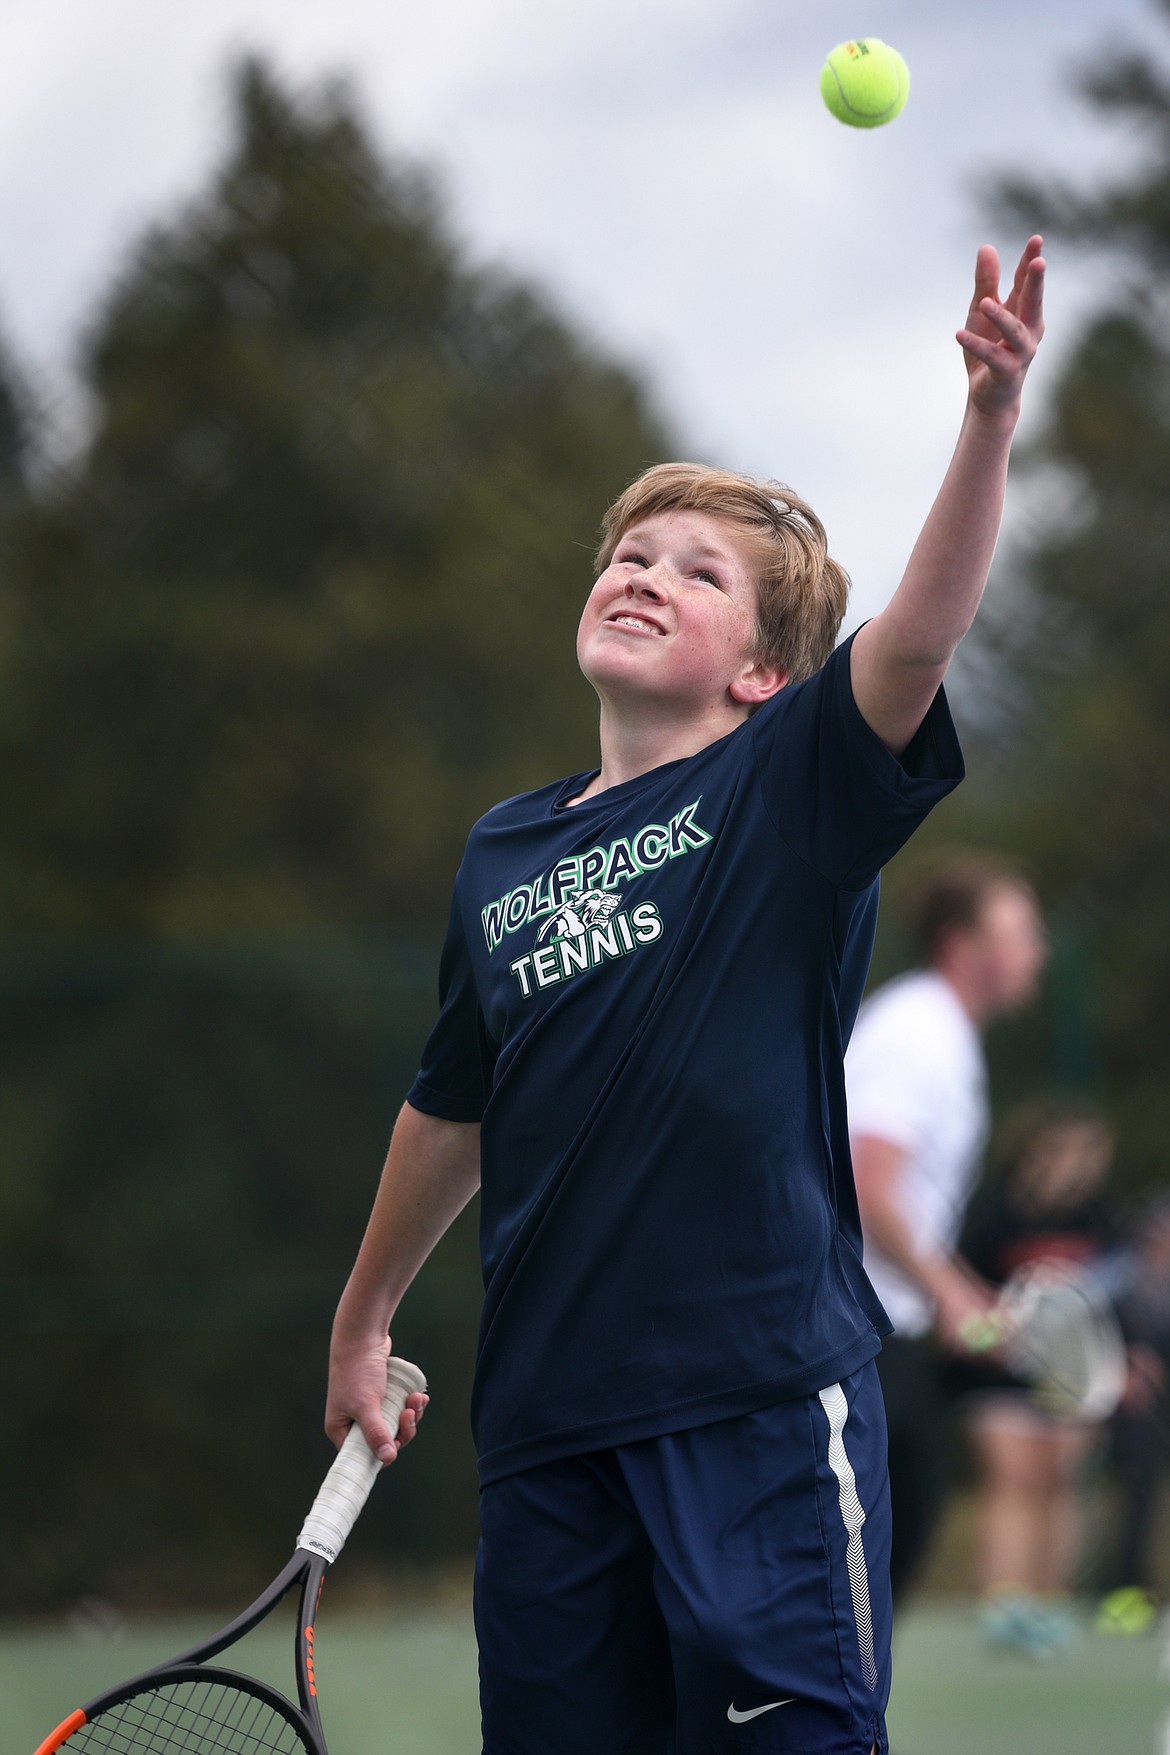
(578,912)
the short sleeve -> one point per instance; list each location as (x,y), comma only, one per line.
(840,800)
(454,1077)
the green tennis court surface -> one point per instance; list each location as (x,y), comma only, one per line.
(392,1683)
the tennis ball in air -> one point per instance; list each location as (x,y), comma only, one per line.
(865,83)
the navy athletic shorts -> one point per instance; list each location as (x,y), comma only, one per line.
(717,1590)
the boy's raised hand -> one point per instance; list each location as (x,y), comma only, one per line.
(1001,337)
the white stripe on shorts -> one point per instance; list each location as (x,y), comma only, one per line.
(853,1516)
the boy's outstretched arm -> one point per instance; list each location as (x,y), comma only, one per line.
(430,1174)
(901,656)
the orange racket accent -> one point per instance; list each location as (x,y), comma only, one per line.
(55,1739)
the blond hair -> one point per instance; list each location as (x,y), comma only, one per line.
(802,591)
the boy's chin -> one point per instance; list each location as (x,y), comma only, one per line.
(621,682)
(614,671)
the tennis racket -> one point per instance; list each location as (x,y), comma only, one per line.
(191,1706)
(1055,1328)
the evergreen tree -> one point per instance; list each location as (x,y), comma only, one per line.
(302,607)
(1082,781)
(305,606)
(15,429)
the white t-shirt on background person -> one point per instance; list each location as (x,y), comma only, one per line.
(915,1076)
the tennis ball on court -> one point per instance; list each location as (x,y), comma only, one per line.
(865,83)
(1127,1611)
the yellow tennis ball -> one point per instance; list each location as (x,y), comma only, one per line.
(865,83)
(980,1333)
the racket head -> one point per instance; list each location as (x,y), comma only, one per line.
(186,1703)
(188,1706)
(1063,1337)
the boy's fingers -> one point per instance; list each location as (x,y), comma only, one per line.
(1031,252)
(980,346)
(1026,298)
(380,1439)
(1012,349)
(1013,329)
(986,275)
(1031,301)
(412,1413)
(1027,294)
(373,1429)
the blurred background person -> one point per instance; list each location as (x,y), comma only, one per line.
(1044,1207)
(918,1119)
(1140,1431)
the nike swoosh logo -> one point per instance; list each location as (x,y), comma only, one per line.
(741,1718)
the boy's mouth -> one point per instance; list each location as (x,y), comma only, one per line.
(640,624)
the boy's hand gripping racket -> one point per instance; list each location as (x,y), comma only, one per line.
(186,1704)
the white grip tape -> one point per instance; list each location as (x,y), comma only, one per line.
(346,1487)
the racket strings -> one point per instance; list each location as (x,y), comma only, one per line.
(191,1718)
(1061,1344)
(1069,1346)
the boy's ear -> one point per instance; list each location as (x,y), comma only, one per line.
(758,683)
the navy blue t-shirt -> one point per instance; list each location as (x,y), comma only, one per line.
(646,998)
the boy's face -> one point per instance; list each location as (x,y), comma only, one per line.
(672,618)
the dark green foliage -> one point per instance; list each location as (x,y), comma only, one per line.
(14,431)
(305,605)
(1080,644)
(300,609)
(192,1137)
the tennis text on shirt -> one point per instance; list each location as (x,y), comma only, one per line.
(600,869)
(584,924)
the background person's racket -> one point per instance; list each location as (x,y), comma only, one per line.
(190,1706)
(1056,1329)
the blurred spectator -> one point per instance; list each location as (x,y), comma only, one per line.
(1141,1426)
(1045,1206)
(918,1120)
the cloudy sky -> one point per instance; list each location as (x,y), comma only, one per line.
(789,286)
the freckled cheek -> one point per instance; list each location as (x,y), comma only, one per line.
(720,644)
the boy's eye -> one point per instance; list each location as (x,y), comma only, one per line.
(633,558)
(707,576)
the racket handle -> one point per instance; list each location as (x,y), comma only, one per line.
(346,1487)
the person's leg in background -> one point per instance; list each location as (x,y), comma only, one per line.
(918,1453)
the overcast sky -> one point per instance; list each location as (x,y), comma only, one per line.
(790,287)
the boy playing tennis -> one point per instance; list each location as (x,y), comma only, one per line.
(650,976)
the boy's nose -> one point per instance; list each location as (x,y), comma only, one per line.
(648,583)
